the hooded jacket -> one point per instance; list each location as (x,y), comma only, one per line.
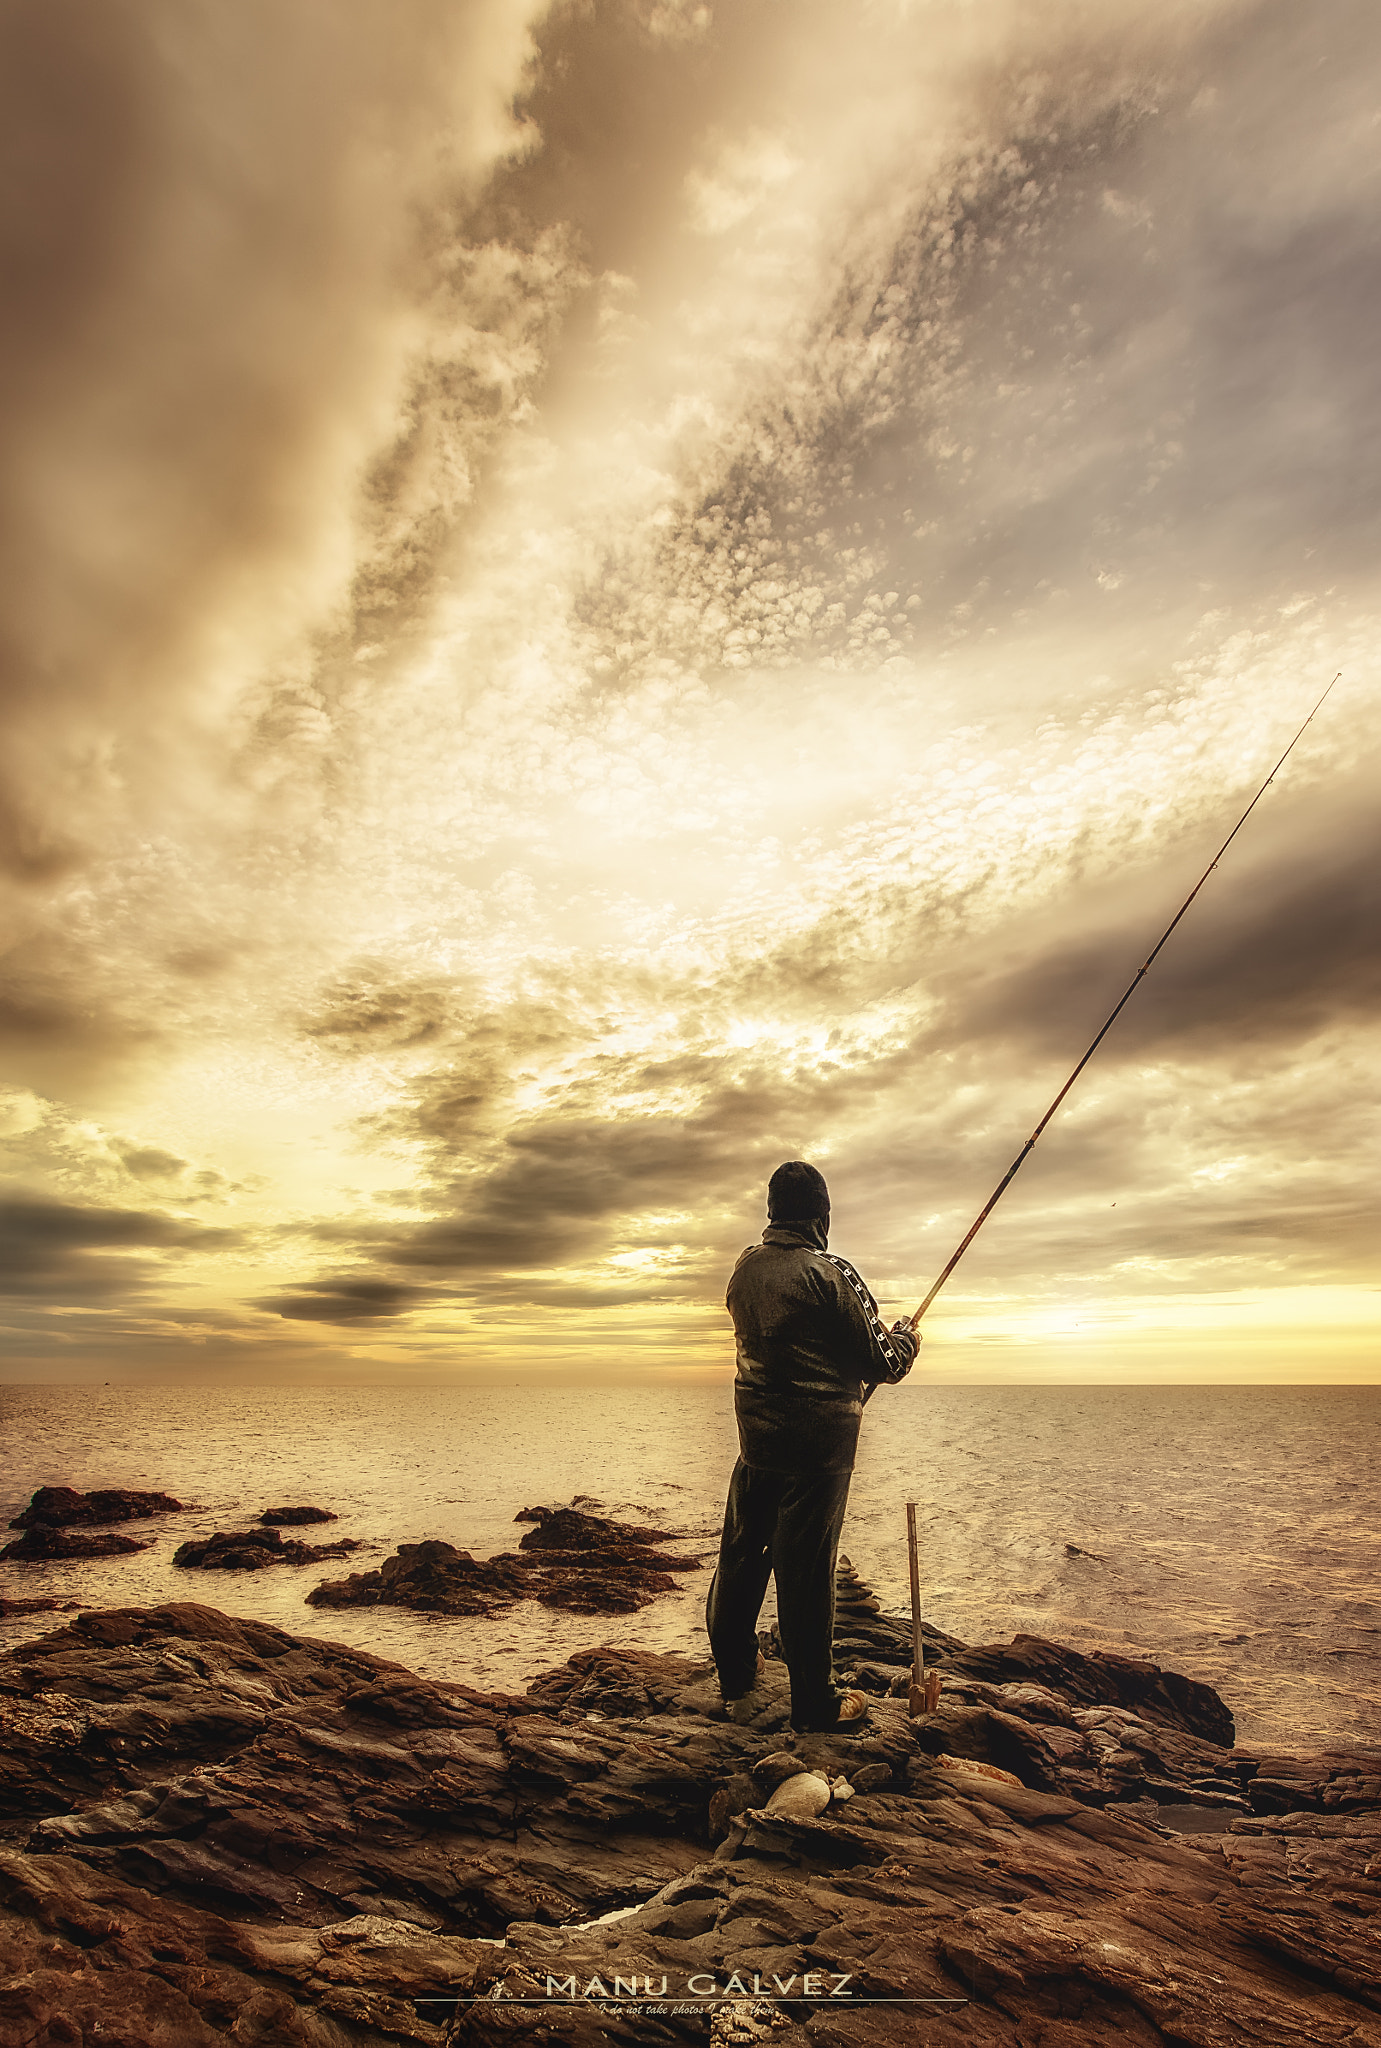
(808,1340)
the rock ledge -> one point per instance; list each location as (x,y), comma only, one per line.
(211,1829)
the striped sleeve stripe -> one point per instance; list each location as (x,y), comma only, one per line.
(897,1367)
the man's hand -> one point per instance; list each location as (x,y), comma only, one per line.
(906,1330)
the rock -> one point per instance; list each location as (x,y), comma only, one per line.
(801,1797)
(586,1564)
(58,1507)
(568,1529)
(433,1577)
(623,1684)
(40,1544)
(296,1518)
(1100,1679)
(778,1767)
(12,1610)
(965,1768)
(216,1829)
(872,1777)
(249,1550)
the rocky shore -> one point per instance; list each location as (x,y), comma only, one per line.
(211,1830)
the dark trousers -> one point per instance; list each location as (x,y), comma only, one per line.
(785,1524)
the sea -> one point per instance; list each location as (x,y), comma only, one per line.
(1230,1533)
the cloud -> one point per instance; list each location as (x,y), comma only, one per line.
(88,1253)
(343,1300)
(1107,356)
(207,340)
(372,1009)
(1281,946)
(615,595)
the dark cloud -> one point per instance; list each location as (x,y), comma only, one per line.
(76,1252)
(571,1186)
(1283,943)
(147,1162)
(57,1029)
(343,1300)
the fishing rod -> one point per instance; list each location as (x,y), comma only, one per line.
(1000,1190)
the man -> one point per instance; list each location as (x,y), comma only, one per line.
(809,1340)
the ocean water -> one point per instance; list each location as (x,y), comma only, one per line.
(1233,1534)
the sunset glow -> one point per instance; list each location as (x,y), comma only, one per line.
(607,596)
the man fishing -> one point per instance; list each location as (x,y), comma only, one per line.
(809,1340)
(809,1344)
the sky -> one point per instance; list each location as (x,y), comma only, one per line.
(602,596)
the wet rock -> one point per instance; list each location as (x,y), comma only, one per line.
(59,1507)
(568,1529)
(618,1684)
(296,1518)
(1099,1679)
(434,1578)
(13,1610)
(41,1545)
(584,1563)
(589,1564)
(216,1829)
(250,1550)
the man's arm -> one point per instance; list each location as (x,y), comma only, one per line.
(879,1356)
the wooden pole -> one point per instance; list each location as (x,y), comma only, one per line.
(916,1702)
(924,1693)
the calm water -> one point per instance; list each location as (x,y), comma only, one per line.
(1235,1532)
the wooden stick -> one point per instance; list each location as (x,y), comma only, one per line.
(916,1700)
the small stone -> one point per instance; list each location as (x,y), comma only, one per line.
(872,1777)
(778,1767)
(801,1797)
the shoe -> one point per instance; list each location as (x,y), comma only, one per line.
(851,1711)
(741,1710)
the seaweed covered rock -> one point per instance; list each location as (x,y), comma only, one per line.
(59,1507)
(570,1529)
(587,1564)
(296,1518)
(44,1545)
(434,1578)
(249,1550)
